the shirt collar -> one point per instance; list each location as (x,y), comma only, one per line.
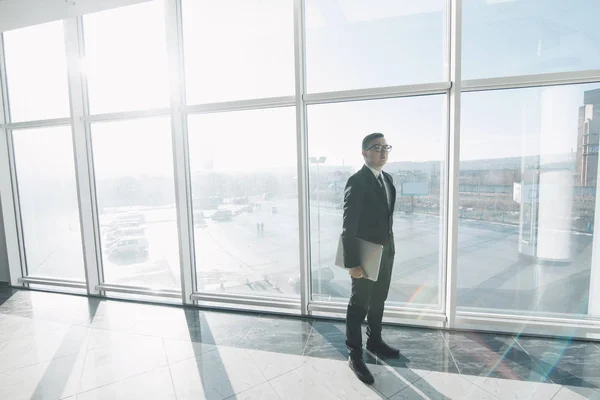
(374,171)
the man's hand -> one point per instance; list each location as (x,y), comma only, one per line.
(357,272)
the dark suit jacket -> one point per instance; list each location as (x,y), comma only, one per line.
(366,214)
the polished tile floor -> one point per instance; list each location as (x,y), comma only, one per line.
(55,346)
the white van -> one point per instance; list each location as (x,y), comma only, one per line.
(128,246)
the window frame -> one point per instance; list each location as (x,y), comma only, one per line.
(446,316)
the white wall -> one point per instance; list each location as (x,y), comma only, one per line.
(20,13)
(4,276)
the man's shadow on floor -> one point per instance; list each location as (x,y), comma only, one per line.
(415,386)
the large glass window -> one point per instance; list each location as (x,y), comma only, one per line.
(238,49)
(133,162)
(528,172)
(528,179)
(48,202)
(126,58)
(415,127)
(503,38)
(36,65)
(245,197)
(358,44)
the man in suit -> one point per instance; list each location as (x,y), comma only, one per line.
(369,201)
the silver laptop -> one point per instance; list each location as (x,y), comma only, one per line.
(370,257)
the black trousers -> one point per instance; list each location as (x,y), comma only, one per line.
(367,300)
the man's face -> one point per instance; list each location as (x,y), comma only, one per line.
(376,154)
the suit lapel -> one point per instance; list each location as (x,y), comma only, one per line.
(393,190)
(377,187)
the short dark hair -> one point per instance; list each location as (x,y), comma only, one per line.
(367,140)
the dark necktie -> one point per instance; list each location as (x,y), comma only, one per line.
(387,200)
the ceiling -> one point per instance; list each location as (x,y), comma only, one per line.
(16,14)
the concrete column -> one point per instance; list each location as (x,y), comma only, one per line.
(594,296)
(558,130)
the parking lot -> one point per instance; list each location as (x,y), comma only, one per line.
(255,251)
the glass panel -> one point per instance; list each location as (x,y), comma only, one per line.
(238,49)
(133,161)
(36,66)
(245,196)
(415,127)
(48,202)
(528,178)
(126,58)
(507,37)
(358,44)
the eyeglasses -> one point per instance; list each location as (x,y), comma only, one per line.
(381,147)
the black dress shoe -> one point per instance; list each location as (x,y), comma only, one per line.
(383,350)
(360,370)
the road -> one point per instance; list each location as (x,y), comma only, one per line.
(236,257)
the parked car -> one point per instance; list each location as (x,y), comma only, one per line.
(130,217)
(222,215)
(128,246)
(326,275)
(120,232)
(114,231)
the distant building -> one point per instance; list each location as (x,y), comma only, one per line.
(588,139)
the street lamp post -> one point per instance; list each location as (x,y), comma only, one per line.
(320,160)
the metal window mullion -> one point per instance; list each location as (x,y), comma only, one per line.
(302,156)
(58,283)
(549,318)
(241,105)
(8,190)
(394,307)
(127,115)
(377,93)
(444,187)
(17,201)
(528,325)
(183,195)
(453,164)
(535,80)
(37,124)
(136,290)
(391,312)
(241,298)
(82,155)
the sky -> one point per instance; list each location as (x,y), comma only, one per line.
(243,49)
